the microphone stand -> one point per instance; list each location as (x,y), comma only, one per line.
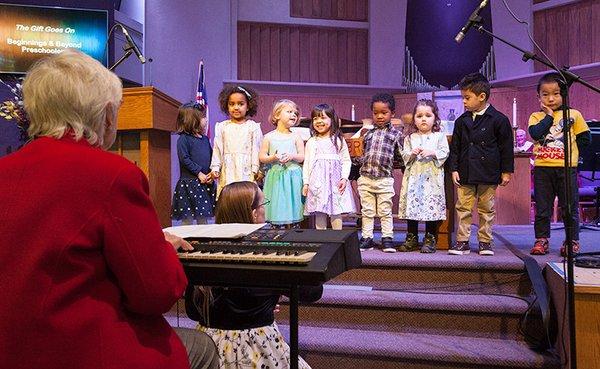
(128,52)
(128,47)
(568,221)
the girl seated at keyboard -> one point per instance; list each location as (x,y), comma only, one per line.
(241,321)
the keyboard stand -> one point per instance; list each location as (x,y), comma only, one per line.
(294,327)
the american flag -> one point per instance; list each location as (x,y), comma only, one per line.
(201,92)
(201,95)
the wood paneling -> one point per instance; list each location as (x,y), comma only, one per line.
(265,53)
(290,53)
(569,34)
(244,52)
(349,10)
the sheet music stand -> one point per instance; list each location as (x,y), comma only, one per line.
(590,161)
(591,259)
(594,167)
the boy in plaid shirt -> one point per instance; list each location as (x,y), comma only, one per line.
(382,145)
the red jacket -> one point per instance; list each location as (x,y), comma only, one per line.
(85,271)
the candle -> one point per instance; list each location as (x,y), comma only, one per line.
(514,117)
(353,116)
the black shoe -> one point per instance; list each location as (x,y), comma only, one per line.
(429,244)
(460,248)
(410,244)
(366,244)
(486,248)
(387,245)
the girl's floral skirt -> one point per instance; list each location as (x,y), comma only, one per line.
(262,347)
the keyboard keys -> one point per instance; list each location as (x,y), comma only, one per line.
(270,256)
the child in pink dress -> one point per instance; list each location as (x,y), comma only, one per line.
(326,169)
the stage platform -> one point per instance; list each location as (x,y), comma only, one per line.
(412,310)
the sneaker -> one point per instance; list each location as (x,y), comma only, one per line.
(411,243)
(540,247)
(365,244)
(563,248)
(486,248)
(387,245)
(429,244)
(460,248)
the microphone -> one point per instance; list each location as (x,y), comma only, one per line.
(134,47)
(472,19)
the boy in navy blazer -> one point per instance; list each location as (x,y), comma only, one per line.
(481,158)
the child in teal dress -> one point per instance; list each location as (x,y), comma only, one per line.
(282,151)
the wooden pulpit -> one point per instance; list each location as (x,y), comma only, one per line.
(144,125)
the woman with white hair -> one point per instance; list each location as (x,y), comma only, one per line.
(85,270)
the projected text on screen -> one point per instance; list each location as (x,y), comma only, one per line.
(29,33)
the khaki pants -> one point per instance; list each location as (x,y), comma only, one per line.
(485,209)
(376,199)
(201,350)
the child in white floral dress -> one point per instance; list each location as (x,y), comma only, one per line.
(422,196)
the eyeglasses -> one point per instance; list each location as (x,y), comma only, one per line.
(266,202)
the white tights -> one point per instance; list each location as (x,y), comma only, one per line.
(321,221)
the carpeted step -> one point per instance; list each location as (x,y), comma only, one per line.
(500,274)
(502,260)
(342,348)
(491,316)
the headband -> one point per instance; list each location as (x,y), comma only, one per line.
(245,92)
(194,105)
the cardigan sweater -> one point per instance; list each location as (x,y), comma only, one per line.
(85,270)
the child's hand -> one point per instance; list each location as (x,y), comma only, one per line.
(546,109)
(456,178)
(258,176)
(214,174)
(305,190)
(416,151)
(203,177)
(284,158)
(342,185)
(427,153)
(505,179)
